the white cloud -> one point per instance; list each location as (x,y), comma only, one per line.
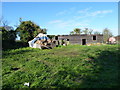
(79,19)
(86,13)
(84,10)
(67,11)
(69,23)
(100,12)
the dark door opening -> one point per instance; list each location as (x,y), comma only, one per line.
(56,37)
(67,39)
(94,37)
(83,41)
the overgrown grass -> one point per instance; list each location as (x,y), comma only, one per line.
(73,66)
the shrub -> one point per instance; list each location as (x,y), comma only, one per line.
(8,37)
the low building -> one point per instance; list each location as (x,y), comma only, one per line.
(82,39)
(118,39)
(111,40)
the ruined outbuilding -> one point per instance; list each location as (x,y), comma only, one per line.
(82,39)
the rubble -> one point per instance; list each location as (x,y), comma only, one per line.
(41,41)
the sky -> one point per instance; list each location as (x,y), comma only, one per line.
(60,0)
(59,18)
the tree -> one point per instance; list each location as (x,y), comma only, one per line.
(8,33)
(51,36)
(106,34)
(8,37)
(44,31)
(90,31)
(72,32)
(77,31)
(20,19)
(3,22)
(8,28)
(86,31)
(96,32)
(28,30)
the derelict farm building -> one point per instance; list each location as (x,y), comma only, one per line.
(82,39)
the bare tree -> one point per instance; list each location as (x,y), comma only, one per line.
(90,31)
(0,21)
(86,31)
(20,20)
(3,22)
(97,32)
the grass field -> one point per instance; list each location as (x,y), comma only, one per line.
(72,66)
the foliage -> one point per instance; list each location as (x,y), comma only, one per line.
(44,31)
(77,31)
(106,34)
(73,66)
(90,31)
(72,32)
(97,33)
(51,36)
(8,36)
(86,31)
(28,30)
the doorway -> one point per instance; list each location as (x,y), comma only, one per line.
(56,37)
(83,41)
(94,37)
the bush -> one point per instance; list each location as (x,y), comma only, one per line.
(28,30)
(8,37)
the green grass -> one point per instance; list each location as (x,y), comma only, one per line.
(73,66)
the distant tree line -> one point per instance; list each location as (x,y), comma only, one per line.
(106,32)
(84,31)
